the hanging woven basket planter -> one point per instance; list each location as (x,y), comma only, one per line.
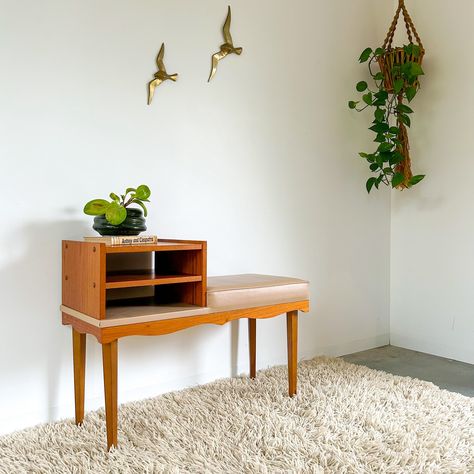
(397,57)
(396,83)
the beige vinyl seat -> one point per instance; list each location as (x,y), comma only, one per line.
(251,290)
(224,293)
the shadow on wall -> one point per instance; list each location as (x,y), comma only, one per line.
(35,345)
(34,341)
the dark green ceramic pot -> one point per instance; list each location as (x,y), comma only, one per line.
(133,224)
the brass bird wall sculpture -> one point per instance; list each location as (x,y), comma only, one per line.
(226,48)
(160,76)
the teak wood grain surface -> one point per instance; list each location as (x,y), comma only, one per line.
(83,277)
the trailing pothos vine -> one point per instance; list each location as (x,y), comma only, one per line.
(395,75)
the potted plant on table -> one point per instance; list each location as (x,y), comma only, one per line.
(395,82)
(115,217)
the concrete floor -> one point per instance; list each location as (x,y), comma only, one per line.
(445,373)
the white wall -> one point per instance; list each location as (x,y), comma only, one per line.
(262,163)
(432,258)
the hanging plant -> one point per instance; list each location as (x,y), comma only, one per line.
(395,72)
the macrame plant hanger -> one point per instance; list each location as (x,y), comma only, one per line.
(397,57)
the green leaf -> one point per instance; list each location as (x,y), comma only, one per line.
(382,94)
(396,158)
(408,48)
(96,207)
(115,213)
(379,115)
(374,167)
(383,147)
(145,212)
(411,71)
(114,197)
(370,183)
(415,179)
(365,55)
(379,51)
(404,108)
(416,70)
(130,190)
(361,86)
(385,156)
(394,130)
(398,85)
(416,50)
(380,138)
(378,77)
(363,155)
(404,119)
(410,93)
(367,98)
(379,103)
(352,104)
(143,192)
(397,179)
(380,127)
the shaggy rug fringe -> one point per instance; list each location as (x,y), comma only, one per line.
(345,419)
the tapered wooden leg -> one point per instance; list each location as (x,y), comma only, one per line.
(292,340)
(252,346)
(79,363)
(109,360)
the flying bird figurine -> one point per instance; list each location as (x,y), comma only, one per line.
(226,48)
(160,76)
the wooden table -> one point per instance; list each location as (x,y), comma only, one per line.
(177,301)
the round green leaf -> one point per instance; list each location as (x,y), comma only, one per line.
(143,192)
(115,213)
(96,207)
(361,86)
(352,104)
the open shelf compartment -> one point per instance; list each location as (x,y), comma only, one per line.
(96,275)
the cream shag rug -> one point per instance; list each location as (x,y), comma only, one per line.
(345,419)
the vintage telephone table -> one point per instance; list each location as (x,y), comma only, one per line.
(107,293)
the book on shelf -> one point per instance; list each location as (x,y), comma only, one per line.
(124,239)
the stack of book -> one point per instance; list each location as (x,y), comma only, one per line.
(124,239)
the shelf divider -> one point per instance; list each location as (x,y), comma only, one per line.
(134,278)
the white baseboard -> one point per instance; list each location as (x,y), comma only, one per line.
(460,353)
(22,420)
